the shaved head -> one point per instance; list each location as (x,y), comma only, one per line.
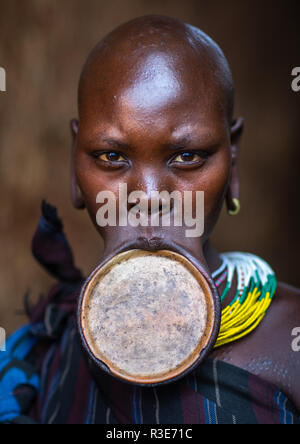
(169,48)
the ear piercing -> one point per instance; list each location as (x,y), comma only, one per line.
(237,207)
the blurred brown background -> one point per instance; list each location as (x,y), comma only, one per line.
(43,44)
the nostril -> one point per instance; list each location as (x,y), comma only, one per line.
(152,205)
(130,205)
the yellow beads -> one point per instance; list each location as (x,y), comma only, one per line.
(238,320)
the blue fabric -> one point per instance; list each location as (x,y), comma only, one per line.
(19,381)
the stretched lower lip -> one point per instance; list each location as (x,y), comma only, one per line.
(153,244)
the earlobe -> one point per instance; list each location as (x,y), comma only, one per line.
(233,192)
(76,195)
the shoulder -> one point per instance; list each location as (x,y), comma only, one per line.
(282,319)
(287,296)
(282,324)
(285,308)
(278,341)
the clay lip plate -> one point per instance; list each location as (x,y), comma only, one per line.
(147,317)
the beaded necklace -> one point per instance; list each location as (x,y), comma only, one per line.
(256,286)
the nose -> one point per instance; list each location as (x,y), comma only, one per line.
(149,189)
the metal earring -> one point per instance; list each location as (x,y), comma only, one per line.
(237,207)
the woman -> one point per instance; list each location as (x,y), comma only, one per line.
(156,112)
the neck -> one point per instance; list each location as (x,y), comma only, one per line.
(212,256)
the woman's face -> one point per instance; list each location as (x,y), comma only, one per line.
(157,124)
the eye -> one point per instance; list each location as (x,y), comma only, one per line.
(188,157)
(111,156)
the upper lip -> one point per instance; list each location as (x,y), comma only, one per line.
(151,243)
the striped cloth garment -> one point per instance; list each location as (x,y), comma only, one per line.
(45,377)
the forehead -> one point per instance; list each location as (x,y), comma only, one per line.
(172,92)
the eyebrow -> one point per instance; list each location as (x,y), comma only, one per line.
(181,143)
(188,140)
(118,143)
(96,142)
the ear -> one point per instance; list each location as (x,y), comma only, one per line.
(233,192)
(76,196)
